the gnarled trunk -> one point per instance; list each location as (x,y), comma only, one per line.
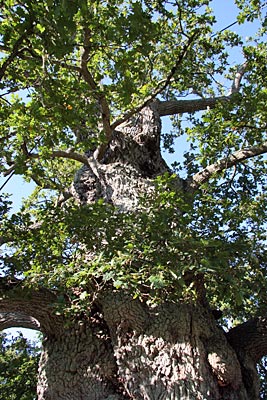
(131,162)
(129,351)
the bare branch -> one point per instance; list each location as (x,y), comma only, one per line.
(236,158)
(172,107)
(72,155)
(238,77)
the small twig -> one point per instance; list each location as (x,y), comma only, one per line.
(6,181)
(233,176)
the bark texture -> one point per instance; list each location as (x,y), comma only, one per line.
(128,351)
(171,352)
(78,364)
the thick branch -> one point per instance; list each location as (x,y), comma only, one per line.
(72,155)
(250,339)
(27,307)
(18,320)
(173,107)
(241,155)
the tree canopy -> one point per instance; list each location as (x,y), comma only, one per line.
(74,71)
(74,74)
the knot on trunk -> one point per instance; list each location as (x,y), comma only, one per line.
(131,161)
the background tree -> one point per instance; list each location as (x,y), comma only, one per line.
(18,368)
(123,263)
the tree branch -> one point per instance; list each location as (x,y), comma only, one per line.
(30,307)
(70,154)
(18,320)
(241,155)
(88,161)
(104,107)
(14,52)
(250,339)
(173,107)
(237,80)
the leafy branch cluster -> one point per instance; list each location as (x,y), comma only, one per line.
(73,72)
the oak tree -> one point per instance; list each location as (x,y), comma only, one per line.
(148,281)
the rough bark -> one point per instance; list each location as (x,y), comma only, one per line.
(78,364)
(171,352)
(124,349)
(250,343)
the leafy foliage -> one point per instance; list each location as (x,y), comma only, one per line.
(18,367)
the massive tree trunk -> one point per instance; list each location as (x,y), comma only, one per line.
(129,351)
(125,349)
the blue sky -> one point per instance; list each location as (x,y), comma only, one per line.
(226,12)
